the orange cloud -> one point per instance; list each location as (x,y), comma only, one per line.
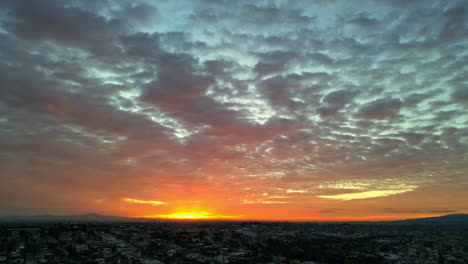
(131,200)
(364,195)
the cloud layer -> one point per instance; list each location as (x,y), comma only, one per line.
(232,104)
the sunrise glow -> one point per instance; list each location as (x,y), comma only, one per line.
(192,215)
(131,200)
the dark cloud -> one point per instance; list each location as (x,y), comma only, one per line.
(205,110)
(266,15)
(278,91)
(416,98)
(363,21)
(177,82)
(455,26)
(268,68)
(320,58)
(442,116)
(142,46)
(273,62)
(460,95)
(328,111)
(52,21)
(339,98)
(380,109)
(413,138)
(92,110)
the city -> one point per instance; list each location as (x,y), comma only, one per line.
(230,242)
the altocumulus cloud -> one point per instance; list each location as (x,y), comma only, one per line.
(302,99)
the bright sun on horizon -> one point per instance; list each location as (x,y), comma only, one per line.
(182,215)
(190,215)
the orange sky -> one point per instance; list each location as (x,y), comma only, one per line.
(289,206)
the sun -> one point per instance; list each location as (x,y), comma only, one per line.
(187,215)
(190,215)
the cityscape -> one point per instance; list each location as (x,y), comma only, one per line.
(222,242)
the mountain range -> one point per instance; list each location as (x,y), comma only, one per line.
(446,220)
(70,218)
(460,220)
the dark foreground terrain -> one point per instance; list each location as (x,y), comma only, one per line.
(231,242)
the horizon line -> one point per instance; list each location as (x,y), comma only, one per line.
(302,220)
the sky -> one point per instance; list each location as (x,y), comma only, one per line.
(267,110)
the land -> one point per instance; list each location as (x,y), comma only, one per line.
(441,240)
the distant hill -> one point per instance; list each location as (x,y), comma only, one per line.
(455,220)
(70,218)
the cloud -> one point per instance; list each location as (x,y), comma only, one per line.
(273,62)
(416,98)
(328,111)
(295,191)
(364,195)
(177,83)
(136,201)
(277,90)
(368,188)
(339,98)
(51,21)
(363,21)
(413,138)
(380,109)
(460,95)
(264,202)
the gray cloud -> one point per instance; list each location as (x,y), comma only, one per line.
(380,109)
(460,95)
(339,98)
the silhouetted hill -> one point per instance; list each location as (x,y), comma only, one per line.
(455,220)
(71,218)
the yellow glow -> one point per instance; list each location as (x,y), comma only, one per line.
(201,215)
(364,195)
(131,200)
(263,202)
(295,191)
(191,215)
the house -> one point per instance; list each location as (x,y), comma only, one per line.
(221,259)
(171,252)
(81,248)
